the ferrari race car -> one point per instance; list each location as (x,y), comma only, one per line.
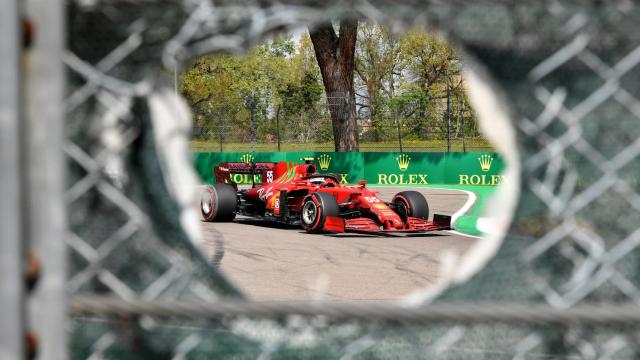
(296,194)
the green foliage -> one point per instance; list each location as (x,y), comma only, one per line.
(276,89)
(301,96)
(283,47)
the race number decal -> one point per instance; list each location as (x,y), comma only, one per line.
(269,176)
(371,199)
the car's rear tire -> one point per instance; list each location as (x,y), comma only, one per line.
(218,203)
(411,203)
(315,209)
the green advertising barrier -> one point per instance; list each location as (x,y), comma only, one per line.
(473,169)
(348,165)
(433,168)
(381,168)
(404,168)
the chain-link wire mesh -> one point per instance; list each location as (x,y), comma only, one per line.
(290,128)
(568,72)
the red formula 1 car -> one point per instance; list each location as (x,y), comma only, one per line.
(296,194)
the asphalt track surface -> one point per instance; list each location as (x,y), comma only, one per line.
(276,262)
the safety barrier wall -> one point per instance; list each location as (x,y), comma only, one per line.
(377,168)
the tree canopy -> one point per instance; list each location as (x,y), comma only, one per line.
(277,89)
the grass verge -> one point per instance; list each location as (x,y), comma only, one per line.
(468,222)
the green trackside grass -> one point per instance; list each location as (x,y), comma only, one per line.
(407,146)
(467,223)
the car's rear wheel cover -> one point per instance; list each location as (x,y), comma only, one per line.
(206,203)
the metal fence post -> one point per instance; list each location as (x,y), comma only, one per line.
(46,185)
(11,211)
(278,126)
(398,126)
(448,113)
(221,127)
(464,145)
(252,123)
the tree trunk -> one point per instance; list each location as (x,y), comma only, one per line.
(336,59)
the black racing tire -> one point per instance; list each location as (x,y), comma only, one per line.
(411,203)
(218,203)
(315,209)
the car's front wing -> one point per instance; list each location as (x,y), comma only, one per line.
(368,226)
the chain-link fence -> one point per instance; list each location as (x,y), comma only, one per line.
(564,283)
(290,128)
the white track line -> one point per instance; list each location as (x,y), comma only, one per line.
(463,234)
(471,199)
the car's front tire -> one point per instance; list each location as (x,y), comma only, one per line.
(315,209)
(411,203)
(218,203)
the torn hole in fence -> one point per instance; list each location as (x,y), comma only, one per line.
(272,106)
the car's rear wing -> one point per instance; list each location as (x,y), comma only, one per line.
(265,170)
